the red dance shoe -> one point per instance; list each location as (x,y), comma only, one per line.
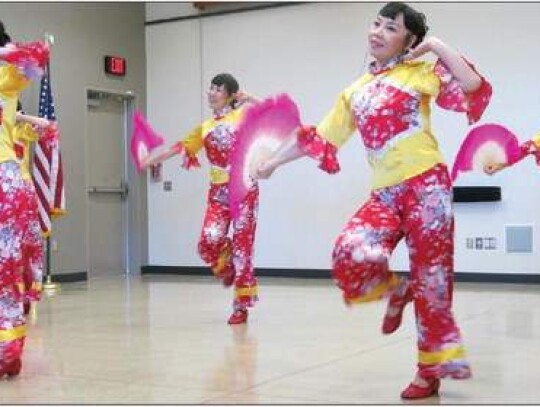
(394,311)
(26,306)
(239,316)
(228,278)
(13,369)
(413,391)
(392,323)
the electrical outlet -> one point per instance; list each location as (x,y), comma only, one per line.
(167,185)
(490,243)
(469,243)
(478,243)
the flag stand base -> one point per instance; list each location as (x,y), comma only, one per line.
(50,288)
(32,315)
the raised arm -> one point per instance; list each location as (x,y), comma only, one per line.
(162,156)
(33,120)
(243,97)
(320,143)
(467,78)
(187,148)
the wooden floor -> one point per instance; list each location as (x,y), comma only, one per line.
(164,339)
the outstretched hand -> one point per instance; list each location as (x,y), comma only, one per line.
(148,161)
(265,169)
(491,169)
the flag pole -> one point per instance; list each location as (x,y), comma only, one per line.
(49,287)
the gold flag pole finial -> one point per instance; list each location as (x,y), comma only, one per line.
(49,38)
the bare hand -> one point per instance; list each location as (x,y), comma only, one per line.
(244,97)
(491,169)
(265,170)
(146,162)
(423,48)
(42,122)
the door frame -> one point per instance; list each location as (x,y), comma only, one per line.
(132,256)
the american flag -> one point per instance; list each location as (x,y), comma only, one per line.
(47,170)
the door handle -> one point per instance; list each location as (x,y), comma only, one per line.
(122,190)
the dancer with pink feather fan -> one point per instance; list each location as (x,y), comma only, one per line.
(411,190)
(230,258)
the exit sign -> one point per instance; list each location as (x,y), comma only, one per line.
(115,65)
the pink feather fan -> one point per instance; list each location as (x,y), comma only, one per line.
(264,127)
(484,145)
(143,140)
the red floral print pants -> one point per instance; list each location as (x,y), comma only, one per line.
(227,255)
(18,247)
(419,210)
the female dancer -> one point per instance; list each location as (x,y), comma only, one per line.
(29,129)
(411,190)
(17,201)
(229,259)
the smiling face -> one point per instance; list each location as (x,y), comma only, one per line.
(388,38)
(218,97)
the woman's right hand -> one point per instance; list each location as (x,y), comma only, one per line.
(147,162)
(491,169)
(265,169)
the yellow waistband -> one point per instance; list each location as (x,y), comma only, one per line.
(219,175)
(408,158)
(7,335)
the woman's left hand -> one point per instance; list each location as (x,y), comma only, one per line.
(428,45)
(492,168)
(244,97)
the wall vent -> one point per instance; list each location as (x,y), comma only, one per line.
(519,239)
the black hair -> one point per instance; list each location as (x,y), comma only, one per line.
(4,36)
(229,82)
(414,21)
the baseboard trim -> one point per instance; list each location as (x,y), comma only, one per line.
(462,277)
(70,277)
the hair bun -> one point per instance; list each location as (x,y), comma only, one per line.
(424,21)
(4,36)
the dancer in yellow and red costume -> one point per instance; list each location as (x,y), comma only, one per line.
(29,129)
(411,194)
(230,258)
(18,207)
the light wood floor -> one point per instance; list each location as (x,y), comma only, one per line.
(164,339)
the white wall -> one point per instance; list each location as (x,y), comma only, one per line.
(84,33)
(312,52)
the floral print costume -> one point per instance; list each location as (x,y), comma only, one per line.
(24,134)
(226,255)
(411,198)
(18,210)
